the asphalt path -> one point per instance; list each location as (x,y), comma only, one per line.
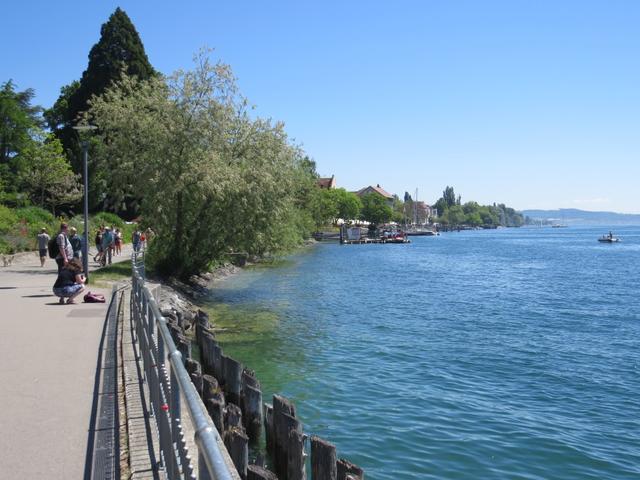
(48,360)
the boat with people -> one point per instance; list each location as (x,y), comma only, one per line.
(393,236)
(608,238)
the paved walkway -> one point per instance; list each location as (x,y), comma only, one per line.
(48,359)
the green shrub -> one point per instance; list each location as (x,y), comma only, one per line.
(35,215)
(7,219)
(5,247)
(108,219)
(29,221)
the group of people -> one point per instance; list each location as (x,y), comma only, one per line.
(71,278)
(72,239)
(108,242)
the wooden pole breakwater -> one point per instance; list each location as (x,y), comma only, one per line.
(233,398)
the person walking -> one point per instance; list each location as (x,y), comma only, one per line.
(107,246)
(76,243)
(43,245)
(135,240)
(65,251)
(70,282)
(117,237)
(98,241)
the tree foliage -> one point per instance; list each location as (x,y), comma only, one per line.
(18,120)
(119,50)
(375,209)
(212,180)
(47,176)
(452,212)
(328,205)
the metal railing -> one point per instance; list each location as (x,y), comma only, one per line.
(169,385)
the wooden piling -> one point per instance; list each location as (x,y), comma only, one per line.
(237,444)
(296,456)
(283,422)
(323,460)
(216,412)
(255,472)
(175,330)
(280,434)
(184,346)
(217,362)
(349,471)
(192,366)
(196,379)
(210,387)
(252,412)
(268,427)
(232,373)
(208,344)
(233,416)
(202,325)
(249,379)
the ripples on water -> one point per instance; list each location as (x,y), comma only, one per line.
(492,354)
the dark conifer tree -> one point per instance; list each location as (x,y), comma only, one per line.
(119,49)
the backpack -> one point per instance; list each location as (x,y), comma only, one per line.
(53,247)
(94,298)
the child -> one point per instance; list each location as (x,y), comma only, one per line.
(70,282)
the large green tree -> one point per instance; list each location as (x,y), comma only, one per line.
(118,50)
(375,209)
(327,206)
(212,179)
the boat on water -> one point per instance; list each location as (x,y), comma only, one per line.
(421,233)
(609,238)
(559,225)
(393,236)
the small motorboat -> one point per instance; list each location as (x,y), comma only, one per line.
(608,238)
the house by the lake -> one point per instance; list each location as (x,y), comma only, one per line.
(327,183)
(377,190)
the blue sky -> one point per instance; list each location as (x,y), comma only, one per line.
(532,103)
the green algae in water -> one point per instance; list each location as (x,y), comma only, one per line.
(234,324)
(253,336)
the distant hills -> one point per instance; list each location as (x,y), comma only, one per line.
(574,216)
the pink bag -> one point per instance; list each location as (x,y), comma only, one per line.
(94,298)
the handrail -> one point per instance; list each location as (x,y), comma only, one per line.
(157,347)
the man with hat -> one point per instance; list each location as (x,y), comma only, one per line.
(43,245)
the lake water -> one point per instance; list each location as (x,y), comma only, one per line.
(505,354)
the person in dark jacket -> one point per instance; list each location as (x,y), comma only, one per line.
(76,242)
(70,282)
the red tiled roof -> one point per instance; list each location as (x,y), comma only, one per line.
(377,189)
(328,182)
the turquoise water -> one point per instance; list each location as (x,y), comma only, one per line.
(508,354)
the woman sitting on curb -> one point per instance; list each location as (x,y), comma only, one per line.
(70,282)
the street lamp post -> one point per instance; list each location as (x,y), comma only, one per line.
(85,179)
